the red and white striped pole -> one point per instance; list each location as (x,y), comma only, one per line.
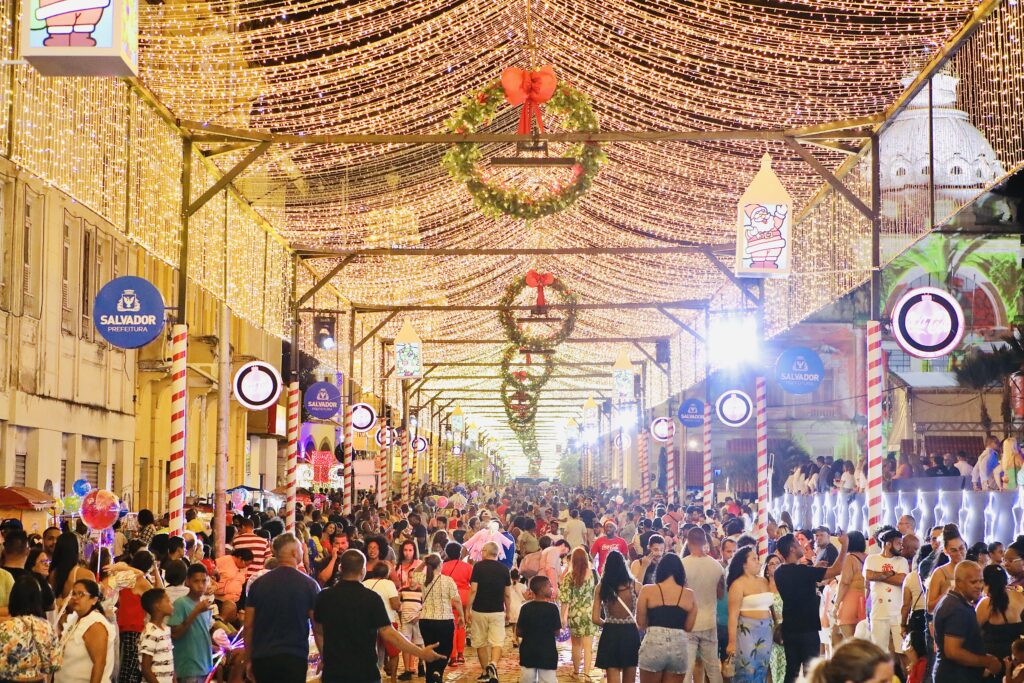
(346,506)
(290,476)
(709,485)
(179,422)
(761,400)
(673,470)
(874,492)
(645,467)
(406,478)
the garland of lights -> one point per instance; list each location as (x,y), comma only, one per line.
(506,316)
(521,380)
(463,160)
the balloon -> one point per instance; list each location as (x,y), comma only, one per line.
(442,501)
(58,507)
(123,511)
(99,509)
(81,487)
(72,504)
(238,499)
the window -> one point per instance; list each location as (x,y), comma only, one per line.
(900,172)
(91,473)
(31,253)
(20,466)
(103,263)
(88,279)
(899,361)
(68,280)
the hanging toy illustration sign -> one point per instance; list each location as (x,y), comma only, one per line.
(764,226)
(408,353)
(81,37)
(323,400)
(257,385)
(928,322)
(734,408)
(662,429)
(129,312)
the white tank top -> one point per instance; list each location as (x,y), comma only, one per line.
(758,602)
(77,664)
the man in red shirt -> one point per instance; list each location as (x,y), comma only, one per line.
(607,543)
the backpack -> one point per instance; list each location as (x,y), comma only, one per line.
(530,565)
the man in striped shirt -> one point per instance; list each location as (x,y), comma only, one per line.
(258,545)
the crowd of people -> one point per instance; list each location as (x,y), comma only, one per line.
(411,590)
(999,467)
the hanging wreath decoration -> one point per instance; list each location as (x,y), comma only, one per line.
(529,89)
(507,318)
(522,380)
(520,405)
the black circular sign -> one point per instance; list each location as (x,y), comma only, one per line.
(927,322)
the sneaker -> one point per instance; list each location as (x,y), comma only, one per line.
(405,676)
(484,677)
(492,673)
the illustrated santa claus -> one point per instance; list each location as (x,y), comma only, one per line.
(70,23)
(763,226)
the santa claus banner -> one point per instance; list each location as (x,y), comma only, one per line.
(81,37)
(764,226)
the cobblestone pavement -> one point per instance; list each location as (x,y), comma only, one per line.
(508,668)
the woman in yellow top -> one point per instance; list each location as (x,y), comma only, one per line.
(1011,463)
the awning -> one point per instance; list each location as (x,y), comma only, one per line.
(24,498)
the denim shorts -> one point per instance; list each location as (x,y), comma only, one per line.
(663,649)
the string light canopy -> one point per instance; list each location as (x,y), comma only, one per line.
(306,68)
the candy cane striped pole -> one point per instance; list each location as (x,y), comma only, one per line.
(406,477)
(874,358)
(709,486)
(291,480)
(346,506)
(179,422)
(673,470)
(645,467)
(760,398)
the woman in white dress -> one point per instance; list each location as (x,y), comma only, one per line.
(88,638)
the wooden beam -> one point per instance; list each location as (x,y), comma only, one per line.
(207,132)
(320,282)
(683,326)
(571,340)
(651,358)
(418,383)
(693,304)
(228,177)
(388,318)
(582,375)
(839,186)
(727,272)
(480,364)
(675,248)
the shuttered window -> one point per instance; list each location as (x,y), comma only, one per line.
(20,464)
(91,473)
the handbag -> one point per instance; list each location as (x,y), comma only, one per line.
(728,668)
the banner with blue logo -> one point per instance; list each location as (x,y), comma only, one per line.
(691,413)
(129,312)
(799,370)
(323,400)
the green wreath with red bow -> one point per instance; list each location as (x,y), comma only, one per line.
(529,89)
(540,282)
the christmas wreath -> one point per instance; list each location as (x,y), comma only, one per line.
(521,380)
(507,318)
(530,89)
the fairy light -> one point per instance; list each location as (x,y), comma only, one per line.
(379,66)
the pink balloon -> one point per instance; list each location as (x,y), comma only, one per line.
(442,502)
(100,509)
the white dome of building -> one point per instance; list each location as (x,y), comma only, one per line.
(964,160)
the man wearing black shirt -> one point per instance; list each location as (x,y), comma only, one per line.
(15,553)
(797,586)
(825,551)
(961,648)
(490,590)
(348,620)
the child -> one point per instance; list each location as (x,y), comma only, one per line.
(155,648)
(518,597)
(538,627)
(1015,665)
(175,572)
(190,628)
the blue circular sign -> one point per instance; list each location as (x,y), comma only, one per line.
(799,370)
(691,412)
(323,400)
(129,312)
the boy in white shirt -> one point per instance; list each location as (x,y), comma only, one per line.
(886,572)
(155,645)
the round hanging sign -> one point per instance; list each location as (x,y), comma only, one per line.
(384,437)
(623,441)
(928,322)
(419,444)
(734,408)
(129,312)
(691,412)
(323,400)
(257,385)
(799,370)
(363,417)
(662,429)
(456,450)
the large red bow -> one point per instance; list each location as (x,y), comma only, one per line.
(538,281)
(530,89)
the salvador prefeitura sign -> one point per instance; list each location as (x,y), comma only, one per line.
(129,312)
(799,370)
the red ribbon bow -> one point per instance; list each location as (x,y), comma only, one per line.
(538,281)
(520,375)
(530,89)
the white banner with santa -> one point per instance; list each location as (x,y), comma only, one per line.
(764,227)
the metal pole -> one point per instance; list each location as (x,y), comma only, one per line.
(179,356)
(348,499)
(220,473)
(406,476)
